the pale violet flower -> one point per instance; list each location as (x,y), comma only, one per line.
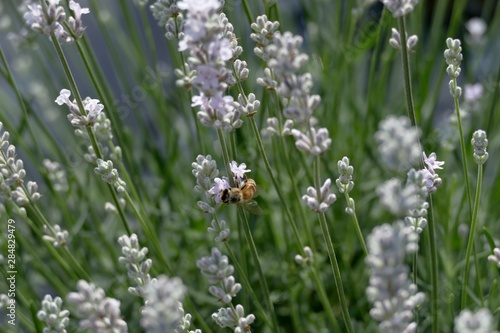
(480,322)
(319,202)
(216,267)
(75,22)
(239,170)
(432,162)
(393,295)
(199,6)
(398,144)
(92,107)
(227,317)
(400,8)
(219,186)
(164,10)
(135,261)
(476,27)
(49,21)
(162,312)
(473,92)
(316,143)
(98,313)
(398,198)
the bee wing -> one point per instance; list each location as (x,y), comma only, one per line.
(252,206)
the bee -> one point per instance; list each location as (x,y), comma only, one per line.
(242,195)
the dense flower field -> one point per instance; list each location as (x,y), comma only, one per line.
(249,166)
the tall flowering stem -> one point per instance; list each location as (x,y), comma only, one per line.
(90,133)
(413,120)
(453,57)
(479,142)
(331,253)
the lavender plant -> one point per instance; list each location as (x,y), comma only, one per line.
(268,102)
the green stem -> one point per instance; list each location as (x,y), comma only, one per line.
(90,133)
(434,266)
(406,72)
(249,238)
(472,232)
(355,221)
(336,272)
(262,277)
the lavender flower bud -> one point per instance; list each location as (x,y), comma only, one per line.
(480,143)
(344,182)
(495,257)
(216,267)
(220,229)
(56,319)
(395,40)
(55,235)
(319,202)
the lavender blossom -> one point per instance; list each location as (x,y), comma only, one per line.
(393,295)
(56,319)
(400,8)
(109,174)
(398,144)
(453,57)
(220,229)
(48,21)
(97,312)
(319,202)
(217,270)
(417,216)
(432,179)
(55,235)
(75,22)
(163,311)
(134,260)
(12,174)
(398,198)
(479,322)
(208,37)
(57,175)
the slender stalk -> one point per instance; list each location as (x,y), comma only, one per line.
(406,72)
(431,229)
(336,272)
(249,238)
(355,222)
(90,133)
(331,254)
(470,242)
(413,120)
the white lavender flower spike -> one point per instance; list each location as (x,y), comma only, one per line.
(319,202)
(480,143)
(56,319)
(400,8)
(480,322)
